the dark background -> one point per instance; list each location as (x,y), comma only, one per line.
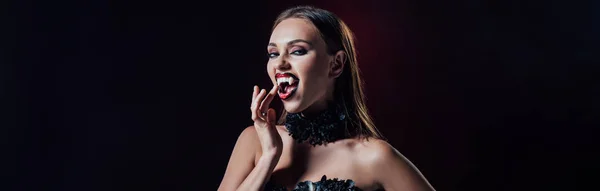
(151,95)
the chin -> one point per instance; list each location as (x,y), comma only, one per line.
(294,104)
(292,107)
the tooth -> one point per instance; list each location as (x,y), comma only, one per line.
(291,81)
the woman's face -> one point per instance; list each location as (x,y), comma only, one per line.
(299,65)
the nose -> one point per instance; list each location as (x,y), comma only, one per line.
(282,64)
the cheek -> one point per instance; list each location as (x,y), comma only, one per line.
(312,70)
(305,67)
(270,69)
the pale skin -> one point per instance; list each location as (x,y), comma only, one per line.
(266,152)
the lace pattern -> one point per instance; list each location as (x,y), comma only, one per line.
(323,185)
(328,126)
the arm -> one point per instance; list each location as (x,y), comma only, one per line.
(241,173)
(241,161)
(260,174)
(393,171)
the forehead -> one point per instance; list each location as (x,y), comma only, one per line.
(292,29)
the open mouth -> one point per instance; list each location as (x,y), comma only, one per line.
(288,84)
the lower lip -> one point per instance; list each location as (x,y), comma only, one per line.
(285,96)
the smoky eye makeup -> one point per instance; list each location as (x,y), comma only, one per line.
(272,54)
(298,50)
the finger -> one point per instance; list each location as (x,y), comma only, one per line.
(271,116)
(255,109)
(260,96)
(254,92)
(264,106)
(254,104)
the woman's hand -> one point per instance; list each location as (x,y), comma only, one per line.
(264,123)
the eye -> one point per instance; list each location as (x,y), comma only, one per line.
(299,52)
(273,55)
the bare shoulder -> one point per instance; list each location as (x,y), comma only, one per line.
(388,167)
(376,153)
(248,140)
(372,151)
(248,134)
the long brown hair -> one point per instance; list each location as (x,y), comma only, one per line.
(348,86)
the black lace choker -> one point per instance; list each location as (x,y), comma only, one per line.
(328,126)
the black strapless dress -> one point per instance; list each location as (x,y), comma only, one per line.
(323,185)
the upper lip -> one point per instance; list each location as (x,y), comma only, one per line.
(284,77)
(281,75)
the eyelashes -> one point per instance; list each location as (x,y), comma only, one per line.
(272,55)
(298,52)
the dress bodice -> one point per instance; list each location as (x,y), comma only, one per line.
(323,185)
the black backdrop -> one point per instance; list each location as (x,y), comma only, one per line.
(151,95)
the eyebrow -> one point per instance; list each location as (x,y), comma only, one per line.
(292,42)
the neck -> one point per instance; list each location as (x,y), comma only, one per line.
(316,109)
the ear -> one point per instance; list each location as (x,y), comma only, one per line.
(337,64)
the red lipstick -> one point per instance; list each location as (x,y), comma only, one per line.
(288,84)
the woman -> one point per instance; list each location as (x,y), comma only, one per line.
(325,139)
